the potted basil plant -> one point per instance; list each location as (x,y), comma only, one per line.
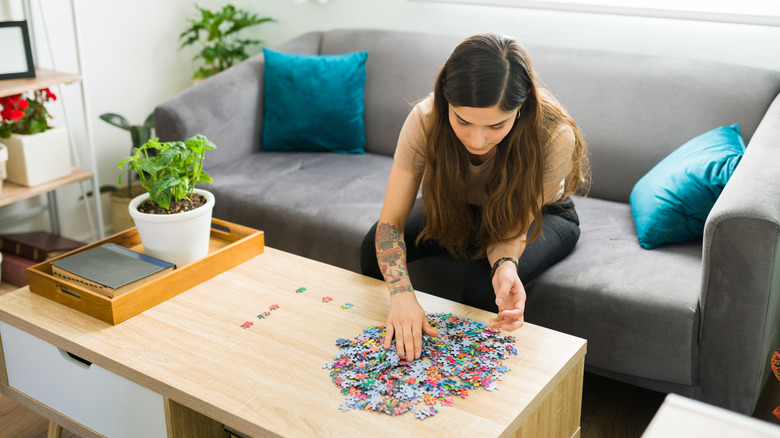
(173,218)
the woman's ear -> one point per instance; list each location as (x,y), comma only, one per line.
(518,111)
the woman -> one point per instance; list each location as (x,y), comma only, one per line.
(498,154)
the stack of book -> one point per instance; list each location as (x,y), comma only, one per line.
(22,250)
(110,269)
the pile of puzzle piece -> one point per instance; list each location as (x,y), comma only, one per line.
(465,355)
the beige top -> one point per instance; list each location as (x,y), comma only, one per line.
(410,155)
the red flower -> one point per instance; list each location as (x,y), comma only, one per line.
(49,94)
(16,114)
(23,104)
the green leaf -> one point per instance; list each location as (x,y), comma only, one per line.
(116,120)
(149,122)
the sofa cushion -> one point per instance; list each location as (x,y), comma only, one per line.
(617,295)
(314,102)
(671,202)
(397,77)
(317,205)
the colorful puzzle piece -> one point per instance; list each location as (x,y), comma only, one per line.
(274,306)
(466,355)
(327,299)
(247,324)
(300,290)
(346,305)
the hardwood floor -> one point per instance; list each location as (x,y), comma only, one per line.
(609,409)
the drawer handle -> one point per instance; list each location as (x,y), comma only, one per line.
(81,361)
(67,291)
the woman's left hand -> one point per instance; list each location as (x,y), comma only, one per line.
(510,298)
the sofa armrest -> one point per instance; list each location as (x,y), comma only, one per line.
(227,107)
(740,297)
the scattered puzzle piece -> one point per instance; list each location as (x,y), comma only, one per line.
(327,299)
(300,290)
(466,355)
(274,306)
(247,324)
(346,305)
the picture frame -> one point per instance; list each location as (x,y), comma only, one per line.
(16,57)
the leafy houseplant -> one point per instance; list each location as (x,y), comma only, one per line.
(37,152)
(171,173)
(26,115)
(218,33)
(139,134)
(173,218)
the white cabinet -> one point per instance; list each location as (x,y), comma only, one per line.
(100,400)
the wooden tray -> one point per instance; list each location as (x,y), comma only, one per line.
(230,246)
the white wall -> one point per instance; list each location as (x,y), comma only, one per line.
(132,62)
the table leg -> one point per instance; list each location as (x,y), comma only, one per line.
(55,430)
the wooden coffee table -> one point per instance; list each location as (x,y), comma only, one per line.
(186,367)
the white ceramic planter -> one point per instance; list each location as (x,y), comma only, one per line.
(38,158)
(3,161)
(179,238)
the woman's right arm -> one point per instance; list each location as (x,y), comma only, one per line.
(406,321)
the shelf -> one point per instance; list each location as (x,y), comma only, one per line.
(43,79)
(14,192)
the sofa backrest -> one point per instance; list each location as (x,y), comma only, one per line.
(400,70)
(633,110)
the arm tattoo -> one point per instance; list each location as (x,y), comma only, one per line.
(391,255)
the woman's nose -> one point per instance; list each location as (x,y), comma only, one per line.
(477,137)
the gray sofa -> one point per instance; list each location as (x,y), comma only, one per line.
(699,318)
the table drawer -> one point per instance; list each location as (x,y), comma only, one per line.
(100,400)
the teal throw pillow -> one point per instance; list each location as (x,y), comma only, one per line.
(314,102)
(671,202)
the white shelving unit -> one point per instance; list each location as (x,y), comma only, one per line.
(13,193)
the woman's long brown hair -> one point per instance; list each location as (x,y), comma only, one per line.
(484,71)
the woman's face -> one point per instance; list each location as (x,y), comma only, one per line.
(481,129)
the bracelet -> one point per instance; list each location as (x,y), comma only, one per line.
(499,261)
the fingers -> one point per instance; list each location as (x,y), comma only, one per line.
(388,336)
(417,338)
(408,339)
(503,323)
(408,344)
(428,330)
(502,294)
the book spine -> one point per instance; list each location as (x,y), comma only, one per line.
(22,250)
(14,269)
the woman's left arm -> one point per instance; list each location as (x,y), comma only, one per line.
(509,290)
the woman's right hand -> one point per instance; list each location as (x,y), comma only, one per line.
(407,322)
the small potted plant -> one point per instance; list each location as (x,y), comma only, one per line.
(121,196)
(173,218)
(37,152)
(218,34)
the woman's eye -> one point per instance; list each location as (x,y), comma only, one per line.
(497,128)
(463,123)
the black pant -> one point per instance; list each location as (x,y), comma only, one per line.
(560,232)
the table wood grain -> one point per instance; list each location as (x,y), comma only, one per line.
(268,380)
